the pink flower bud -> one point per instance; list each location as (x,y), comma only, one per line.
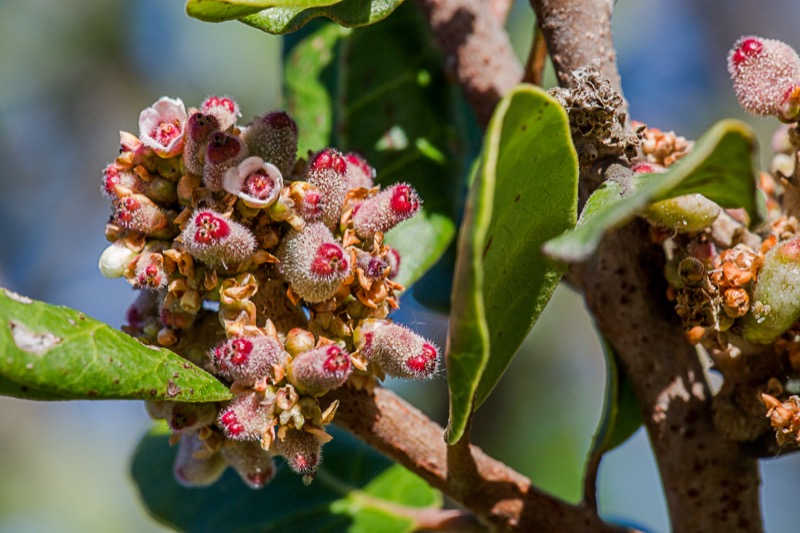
(224,109)
(184,416)
(251,462)
(307,200)
(217,241)
(764,73)
(161,126)
(647,168)
(302,451)
(257,183)
(317,371)
(245,360)
(199,129)
(138,213)
(393,258)
(149,272)
(399,351)
(359,173)
(385,210)
(273,137)
(313,262)
(193,466)
(246,417)
(223,152)
(327,172)
(373,268)
(114,176)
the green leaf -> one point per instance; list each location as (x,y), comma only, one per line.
(524,192)
(356,489)
(398,109)
(347,13)
(56,353)
(222,10)
(721,166)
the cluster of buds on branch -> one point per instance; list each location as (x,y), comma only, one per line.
(266,269)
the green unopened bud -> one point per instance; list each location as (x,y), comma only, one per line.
(684,214)
(776,298)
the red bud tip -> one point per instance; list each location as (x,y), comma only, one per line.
(404,199)
(329,260)
(747,48)
(210,228)
(328,159)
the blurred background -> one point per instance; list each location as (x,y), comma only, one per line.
(73,74)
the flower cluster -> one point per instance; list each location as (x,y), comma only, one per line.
(267,269)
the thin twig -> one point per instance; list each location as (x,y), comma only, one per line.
(537,59)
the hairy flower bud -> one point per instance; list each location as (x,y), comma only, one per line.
(216,240)
(224,109)
(765,73)
(393,258)
(194,466)
(359,173)
(223,152)
(257,183)
(372,267)
(245,360)
(138,213)
(399,351)
(149,272)
(251,462)
(313,262)
(308,203)
(302,451)
(199,129)
(161,126)
(385,210)
(273,137)
(185,416)
(327,172)
(246,417)
(115,258)
(776,297)
(317,371)
(113,176)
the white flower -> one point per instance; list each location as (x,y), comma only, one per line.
(257,183)
(114,259)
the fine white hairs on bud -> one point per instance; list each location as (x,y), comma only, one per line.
(359,173)
(194,465)
(216,240)
(138,213)
(327,171)
(246,417)
(161,126)
(313,262)
(223,152)
(385,210)
(253,464)
(199,129)
(399,351)
(256,183)
(302,451)
(149,272)
(273,137)
(185,416)
(766,77)
(245,360)
(317,371)
(224,109)
(114,177)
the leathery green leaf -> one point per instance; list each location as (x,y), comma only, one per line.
(222,10)
(356,489)
(721,166)
(55,353)
(524,192)
(347,13)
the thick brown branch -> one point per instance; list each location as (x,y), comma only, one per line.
(498,495)
(476,49)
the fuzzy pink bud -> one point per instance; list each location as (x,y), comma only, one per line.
(646,167)
(184,416)
(247,359)
(313,262)
(273,137)
(253,464)
(223,152)
(372,267)
(199,129)
(194,465)
(224,109)
(138,213)
(765,73)
(113,176)
(399,351)
(216,240)
(359,173)
(246,417)
(327,172)
(317,371)
(385,210)
(149,272)
(257,183)
(161,126)
(393,258)
(302,451)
